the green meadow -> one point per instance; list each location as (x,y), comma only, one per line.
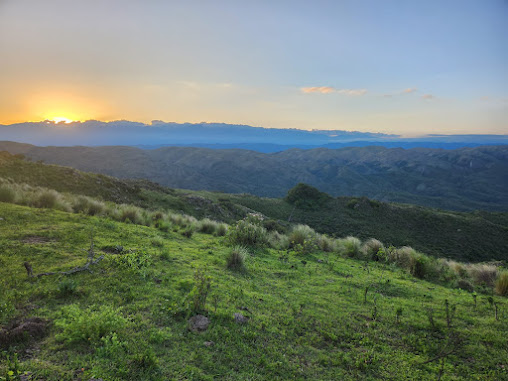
(307,313)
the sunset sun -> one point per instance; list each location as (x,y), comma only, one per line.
(59,119)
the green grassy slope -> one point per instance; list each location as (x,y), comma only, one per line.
(477,236)
(310,317)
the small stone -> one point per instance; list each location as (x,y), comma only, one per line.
(199,323)
(240,319)
(209,343)
(320,261)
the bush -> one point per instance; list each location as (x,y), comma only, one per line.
(129,213)
(371,248)
(501,285)
(236,258)
(483,274)
(301,233)
(248,232)
(278,241)
(88,326)
(350,246)
(7,194)
(306,196)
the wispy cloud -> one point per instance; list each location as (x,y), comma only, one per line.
(409,90)
(329,90)
(428,97)
(319,89)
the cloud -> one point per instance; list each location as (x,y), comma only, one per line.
(410,90)
(352,92)
(428,97)
(329,89)
(320,89)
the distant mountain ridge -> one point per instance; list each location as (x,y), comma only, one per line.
(220,135)
(461,179)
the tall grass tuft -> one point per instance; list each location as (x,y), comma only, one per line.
(371,248)
(7,193)
(350,246)
(278,241)
(483,274)
(301,233)
(248,232)
(207,226)
(236,258)
(501,285)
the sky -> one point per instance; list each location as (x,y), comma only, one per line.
(404,67)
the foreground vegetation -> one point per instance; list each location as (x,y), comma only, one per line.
(314,309)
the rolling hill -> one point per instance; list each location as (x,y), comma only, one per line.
(461,179)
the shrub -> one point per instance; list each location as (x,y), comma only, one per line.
(248,232)
(95,208)
(483,274)
(371,248)
(306,196)
(88,326)
(301,233)
(501,285)
(418,266)
(7,193)
(236,258)
(350,246)
(458,268)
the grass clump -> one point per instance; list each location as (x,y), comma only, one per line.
(501,285)
(222,230)
(236,258)
(325,243)
(207,226)
(483,274)
(67,287)
(372,248)
(350,246)
(301,233)
(7,193)
(278,241)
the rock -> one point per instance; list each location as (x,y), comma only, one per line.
(209,343)
(240,319)
(320,261)
(199,323)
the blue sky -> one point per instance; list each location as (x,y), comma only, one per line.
(407,67)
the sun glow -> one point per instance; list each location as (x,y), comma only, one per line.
(60,119)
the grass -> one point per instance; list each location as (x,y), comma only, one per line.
(317,315)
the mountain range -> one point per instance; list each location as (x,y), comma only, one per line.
(460,179)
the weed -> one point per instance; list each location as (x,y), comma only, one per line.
(199,293)
(88,326)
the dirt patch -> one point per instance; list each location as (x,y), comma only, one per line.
(35,239)
(22,331)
